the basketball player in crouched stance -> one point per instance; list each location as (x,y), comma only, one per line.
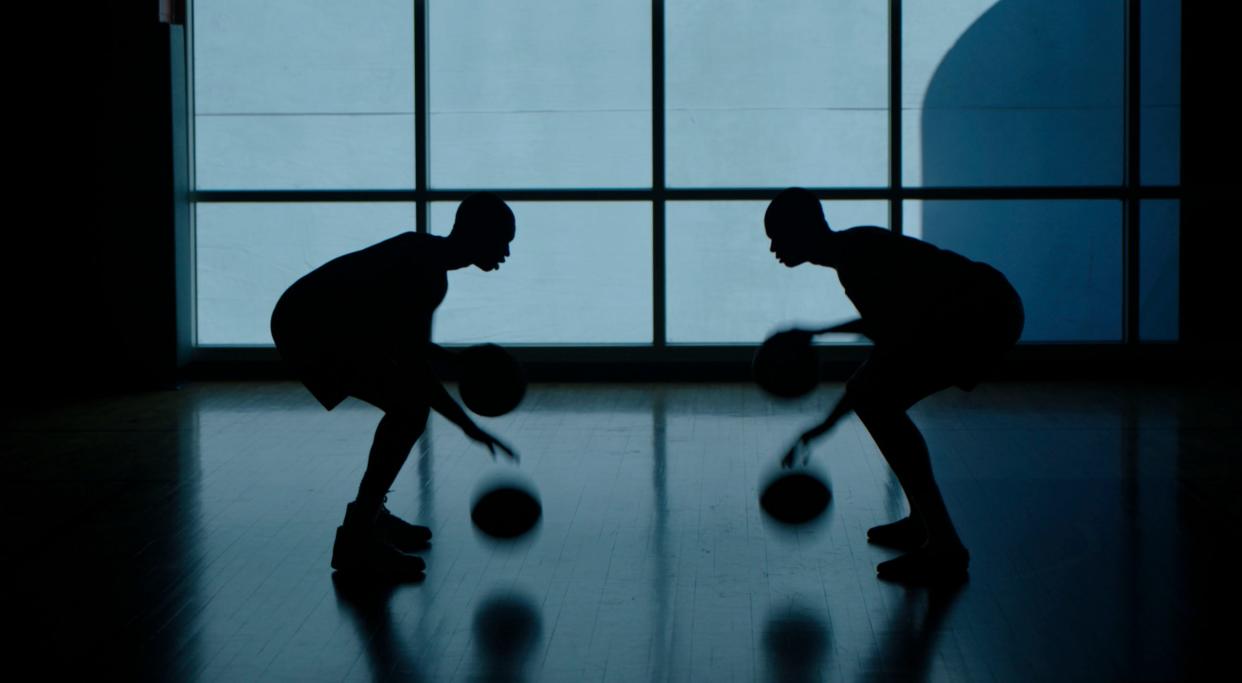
(937,319)
(360,325)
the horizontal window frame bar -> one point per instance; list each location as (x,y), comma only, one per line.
(732,362)
(1102,192)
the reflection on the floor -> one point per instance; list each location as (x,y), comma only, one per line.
(796,644)
(507,631)
(388,656)
(1097,516)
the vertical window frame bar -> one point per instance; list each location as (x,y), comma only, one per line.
(659,329)
(1131,174)
(895,203)
(421,116)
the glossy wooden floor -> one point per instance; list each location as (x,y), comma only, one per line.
(186,535)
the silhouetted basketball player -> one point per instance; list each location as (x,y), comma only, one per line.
(360,325)
(937,319)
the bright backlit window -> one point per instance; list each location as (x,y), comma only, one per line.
(639,143)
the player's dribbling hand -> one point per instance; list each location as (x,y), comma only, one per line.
(799,453)
(492,443)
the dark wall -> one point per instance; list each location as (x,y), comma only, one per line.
(1211,221)
(90,264)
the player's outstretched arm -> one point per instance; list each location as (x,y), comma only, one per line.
(850,327)
(841,409)
(441,402)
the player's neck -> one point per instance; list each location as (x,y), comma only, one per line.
(825,251)
(451,254)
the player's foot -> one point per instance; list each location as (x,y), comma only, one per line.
(904,534)
(360,551)
(401,534)
(404,536)
(930,565)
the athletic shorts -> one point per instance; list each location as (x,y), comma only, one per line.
(326,374)
(957,346)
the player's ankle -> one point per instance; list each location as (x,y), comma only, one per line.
(946,547)
(360,514)
(943,536)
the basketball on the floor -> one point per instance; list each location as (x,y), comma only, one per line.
(506,507)
(492,381)
(786,365)
(795,496)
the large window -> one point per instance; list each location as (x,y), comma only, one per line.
(638,144)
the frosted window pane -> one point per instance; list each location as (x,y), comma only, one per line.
(1017,92)
(248,254)
(1158,269)
(304,152)
(787,92)
(1160,91)
(724,285)
(304,94)
(554,93)
(1063,257)
(578,273)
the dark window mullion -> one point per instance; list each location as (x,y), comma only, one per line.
(895,217)
(1131,180)
(659,335)
(420,115)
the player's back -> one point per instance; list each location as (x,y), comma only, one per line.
(356,296)
(894,279)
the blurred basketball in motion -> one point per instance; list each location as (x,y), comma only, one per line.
(785,365)
(492,381)
(506,506)
(794,496)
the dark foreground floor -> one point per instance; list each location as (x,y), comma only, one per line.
(186,536)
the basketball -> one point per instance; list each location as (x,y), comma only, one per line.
(492,381)
(794,497)
(785,365)
(506,507)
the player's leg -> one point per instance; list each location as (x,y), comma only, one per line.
(404,421)
(905,449)
(371,539)
(883,392)
(970,334)
(866,389)
(395,437)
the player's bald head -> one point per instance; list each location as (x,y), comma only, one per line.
(793,211)
(483,215)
